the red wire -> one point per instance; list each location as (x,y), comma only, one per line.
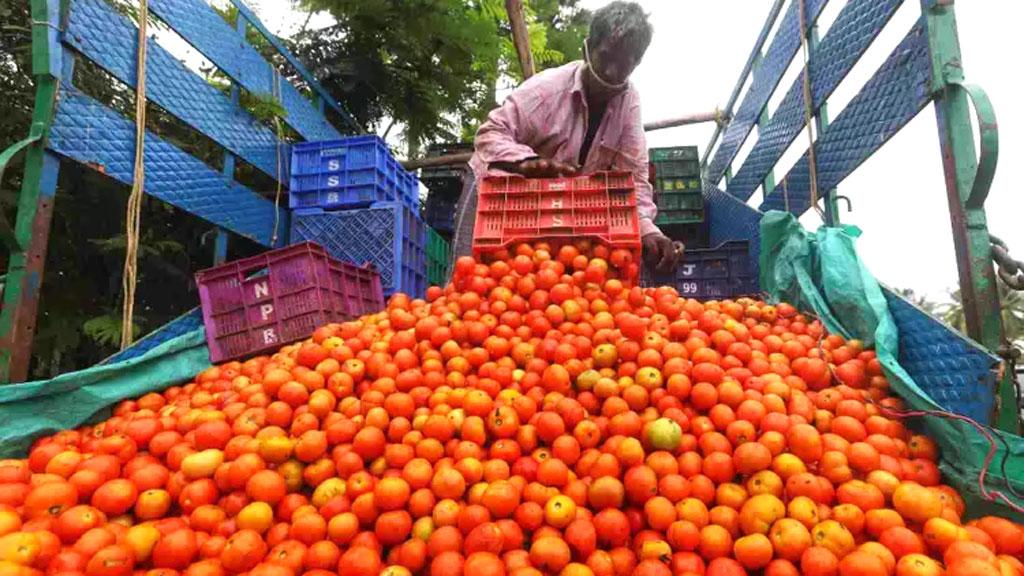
(993,496)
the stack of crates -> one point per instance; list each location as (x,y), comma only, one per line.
(444,185)
(353,198)
(438,258)
(678,194)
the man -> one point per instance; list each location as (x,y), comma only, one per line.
(576,119)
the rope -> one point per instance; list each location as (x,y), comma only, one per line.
(276,88)
(809,110)
(133,217)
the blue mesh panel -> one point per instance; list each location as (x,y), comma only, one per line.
(766,78)
(89,132)
(730,219)
(957,373)
(847,39)
(189,322)
(109,39)
(953,370)
(388,235)
(893,96)
(196,21)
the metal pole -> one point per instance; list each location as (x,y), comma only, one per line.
(699,118)
(35,203)
(978,287)
(463,157)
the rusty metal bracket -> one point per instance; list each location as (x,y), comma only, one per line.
(7,235)
(849,203)
(988,157)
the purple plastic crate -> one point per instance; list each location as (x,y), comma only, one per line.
(264,302)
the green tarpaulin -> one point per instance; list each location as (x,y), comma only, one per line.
(822,272)
(33,409)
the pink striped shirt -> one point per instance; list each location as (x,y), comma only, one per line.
(547,117)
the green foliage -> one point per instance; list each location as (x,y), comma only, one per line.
(82,283)
(263,107)
(951,311)
(105,330)
(1011,303)
(433,67)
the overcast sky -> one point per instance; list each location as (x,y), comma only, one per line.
(899,196)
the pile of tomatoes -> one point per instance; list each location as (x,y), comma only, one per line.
(536,416)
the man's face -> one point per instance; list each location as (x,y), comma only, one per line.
(613,62)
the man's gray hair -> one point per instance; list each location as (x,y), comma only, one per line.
(624,24)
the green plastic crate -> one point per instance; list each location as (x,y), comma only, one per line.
(673,153)
(671,217)
(680,201)
(438,258)
(691,235)
(678,184)
(677,168)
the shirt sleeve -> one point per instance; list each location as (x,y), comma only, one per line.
(501,137)
(634,153)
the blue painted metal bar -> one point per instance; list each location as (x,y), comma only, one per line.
(324,96)
(89,132)
(109,39)
(197,23)
(187,322)
(847,39)
(954,371)
(894,95)
(756,55)
(767,77)
(729,219)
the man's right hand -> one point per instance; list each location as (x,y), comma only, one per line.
(541,168)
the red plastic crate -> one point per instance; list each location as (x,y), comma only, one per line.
(264,302)
(512,209)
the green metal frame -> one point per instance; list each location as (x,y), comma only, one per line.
(968,180)
(30,236)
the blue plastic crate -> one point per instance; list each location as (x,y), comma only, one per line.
(710,274)
(439,211)
(355,153)
(382,178)
(389,235)
(349,173)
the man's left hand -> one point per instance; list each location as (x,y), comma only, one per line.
(661,251)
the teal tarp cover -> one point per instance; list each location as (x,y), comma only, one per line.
(33,409)
(821,272)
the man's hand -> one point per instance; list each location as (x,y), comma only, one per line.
(541,168)
(661,251)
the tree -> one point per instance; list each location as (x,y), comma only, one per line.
(1011,303)
(431,69)
(931,307)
